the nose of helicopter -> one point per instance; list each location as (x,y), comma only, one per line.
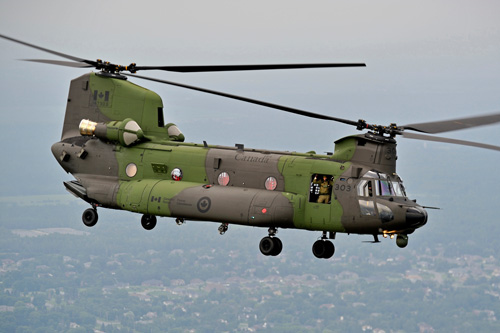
(416,216)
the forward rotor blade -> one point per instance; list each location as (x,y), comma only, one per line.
(67,56)
(227,68)
(454,124)
(249,100)
(61,63)
(448,140)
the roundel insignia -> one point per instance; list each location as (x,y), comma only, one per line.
(203,204)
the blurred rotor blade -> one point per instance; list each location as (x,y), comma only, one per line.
(106,66)
(61,63)
(454,124)
(226,68)
(67,56)
(448,140)
(249,100)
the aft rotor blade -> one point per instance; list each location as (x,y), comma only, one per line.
(106,66)
(63,55)
(61,63)
(228,68)
(250,100)
(454,124)
(448,140)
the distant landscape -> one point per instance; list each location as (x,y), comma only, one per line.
(58,275)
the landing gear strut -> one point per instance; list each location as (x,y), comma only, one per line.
(223,228)
(90,217)
(271,245)
(323,248)
(148,221)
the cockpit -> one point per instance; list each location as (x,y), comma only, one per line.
(383,196)
(375,183)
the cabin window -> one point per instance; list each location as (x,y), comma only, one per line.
(131,170)
(367,208)
(385,213)
(223,179)
(271,183)
(176,174)
(321,188)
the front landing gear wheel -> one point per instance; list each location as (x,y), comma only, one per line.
(148,221)
(270,246)
(323,249)
(89,217)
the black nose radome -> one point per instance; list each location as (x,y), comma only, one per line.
(416,216)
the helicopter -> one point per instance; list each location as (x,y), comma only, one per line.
(123,155)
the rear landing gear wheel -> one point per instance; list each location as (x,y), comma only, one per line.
(90,217)
(278,246)
(323,249)
(148,221)
(270,246)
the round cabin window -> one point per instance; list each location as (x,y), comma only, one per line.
(176,174)
(271,183)
(223,179)
(131,170)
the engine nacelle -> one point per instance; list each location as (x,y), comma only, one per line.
(125,132)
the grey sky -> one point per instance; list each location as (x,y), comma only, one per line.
(426,60)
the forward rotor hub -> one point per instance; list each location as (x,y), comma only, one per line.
(392,129)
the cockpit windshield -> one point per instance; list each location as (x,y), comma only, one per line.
(380,184)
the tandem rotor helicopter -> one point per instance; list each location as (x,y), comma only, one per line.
(123,156)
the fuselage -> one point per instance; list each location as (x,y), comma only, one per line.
(125,157)
(240,186)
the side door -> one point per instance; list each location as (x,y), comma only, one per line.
(318,205)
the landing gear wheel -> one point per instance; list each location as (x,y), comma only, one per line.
(330,250)
(278,246)
(148,221)
(90,217)
(270,246)
(402,241)
(266,246)
(323,249)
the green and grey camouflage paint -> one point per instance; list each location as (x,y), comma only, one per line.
(126,162)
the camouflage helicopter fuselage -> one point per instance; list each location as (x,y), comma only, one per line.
(115,144)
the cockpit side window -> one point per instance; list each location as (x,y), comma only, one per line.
(380,184)
(398,189)
(365,188)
